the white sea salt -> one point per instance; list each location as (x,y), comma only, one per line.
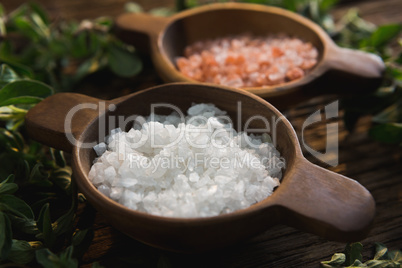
(198,166)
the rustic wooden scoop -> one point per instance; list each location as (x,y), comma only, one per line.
(339,70)
(310,198)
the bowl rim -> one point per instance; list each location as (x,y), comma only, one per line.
(93,194)
(166,65)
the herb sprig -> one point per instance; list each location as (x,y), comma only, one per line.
(352,257)
(62,53)
(39,56)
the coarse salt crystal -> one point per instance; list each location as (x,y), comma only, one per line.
(233,61)
(202,168)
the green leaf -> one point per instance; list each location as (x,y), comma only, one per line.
(389,115)
(122,62)
(6,236)
(387,133)
(62,178)
(21,100)
(357,263)
(64,223)
(381,251)
(81,241)
(24,224)
(45,226)
(2,11)
(67,257)
(7,75)
(12,140)
(379,264)
(326,5)
(40,11)
(162,11)
(133,7)
(336,260)
(8,186)
(353,252)
(395,255)
(50,260)
(24,88)
(23,252)
(58,157)
(39,176)
(16,206)
(20,69)
(26,28)
(23,170)
(384,34)
(88,67)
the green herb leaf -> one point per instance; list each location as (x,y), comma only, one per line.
(387,133)
(357,263)
(50,260)
(26,28)
(39,176)
(16,206)
(390,114)
(6,236)
(81,241)
(58,157)
(122,62)
(64,223)
(384,34)
(62,178)
(21,100)
(40,11)
(20,69)
(353,252)
(381,251)
(395,255)
(162,12)
(45,226)
(7,75)
(2,12)
(23,252)
(23,170)
(24,224)
(336,260)
(8,186)
(133,7)
(24,88)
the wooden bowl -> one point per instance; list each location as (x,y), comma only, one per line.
(310,198)
(339,70)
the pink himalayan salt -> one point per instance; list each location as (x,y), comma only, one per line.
(247,61)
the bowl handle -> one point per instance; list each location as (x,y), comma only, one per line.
(326,203)
(352,71)
(61,116)
(139,28)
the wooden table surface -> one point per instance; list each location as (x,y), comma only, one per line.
(376,166)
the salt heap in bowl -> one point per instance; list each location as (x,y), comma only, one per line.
(197,166)
(248,61)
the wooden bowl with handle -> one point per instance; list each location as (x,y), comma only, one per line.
(310,198)
(339,70)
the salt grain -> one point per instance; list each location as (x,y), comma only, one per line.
(189,176)
(248,61)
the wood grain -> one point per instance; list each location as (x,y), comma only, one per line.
(376,166)
(338,69)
